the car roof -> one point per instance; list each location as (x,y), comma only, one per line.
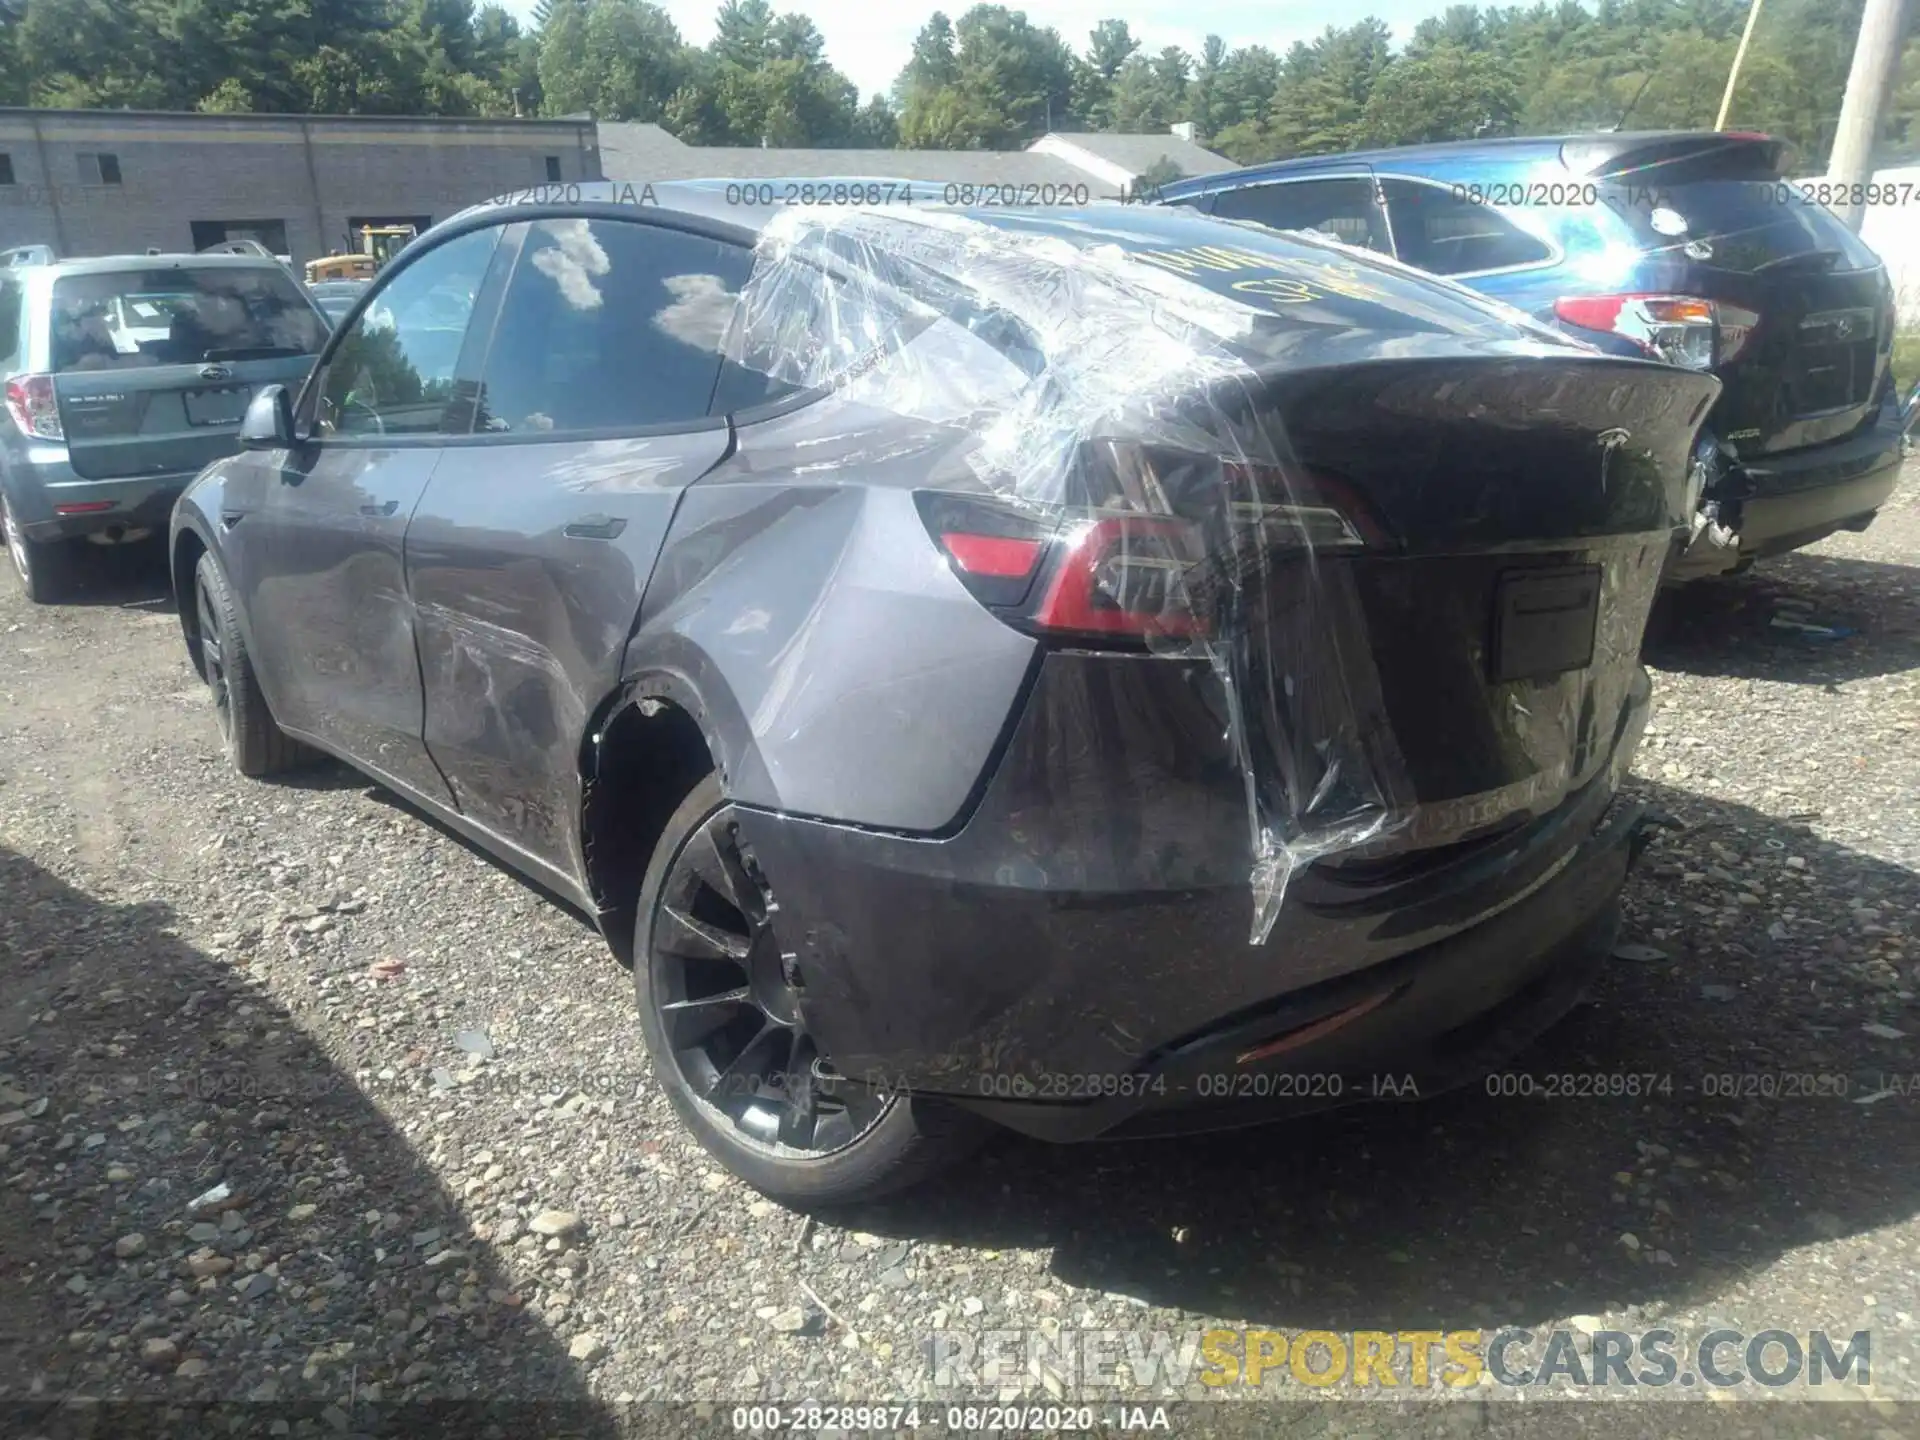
(110,264)
(1594,146)
(741,205)
(722,209)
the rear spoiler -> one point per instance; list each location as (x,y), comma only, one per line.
(1678,157)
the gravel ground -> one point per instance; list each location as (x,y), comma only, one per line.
(303,1100)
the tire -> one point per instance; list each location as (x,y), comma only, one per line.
(46,568)
(906,1141)
(255,743)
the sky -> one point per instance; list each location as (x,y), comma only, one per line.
(869,40)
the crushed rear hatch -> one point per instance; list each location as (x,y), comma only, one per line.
(1414,534)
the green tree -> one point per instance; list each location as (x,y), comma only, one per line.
(1150,95)
(743,33)
(1320,105)
(875,126)
(948,118)
(229,97)
(1449,92)
(1019,74)
(764,80)
(1090,87)
(614,59)
(1162,171)
(992,80)
(507,58)
(1203,93)
(1241,95)
(934,63)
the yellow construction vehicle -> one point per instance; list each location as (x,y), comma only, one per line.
(383,242)
(376,244)
(340,267)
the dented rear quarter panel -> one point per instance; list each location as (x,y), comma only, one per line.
(801,612)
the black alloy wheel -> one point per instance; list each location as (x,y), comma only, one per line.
(727,997)
(213,654)
(253,741)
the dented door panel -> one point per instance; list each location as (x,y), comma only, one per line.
(526,564)
(328,600)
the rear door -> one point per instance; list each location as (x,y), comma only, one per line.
(530,550)
(325,587)
(1441,229)
(1344,207)
(153,367)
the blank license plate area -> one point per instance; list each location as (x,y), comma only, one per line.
(224,406)
(1543,622)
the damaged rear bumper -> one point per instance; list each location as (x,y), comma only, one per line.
(1795,499)
(1430,1020)
(1073,960)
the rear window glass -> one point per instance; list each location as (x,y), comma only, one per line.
(864,301)
(1742,224)
(125,319)
(1292,278)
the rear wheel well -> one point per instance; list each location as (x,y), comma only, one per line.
(187,551)
(646,761)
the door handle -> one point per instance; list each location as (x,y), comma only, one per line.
(596,527)
(377,510)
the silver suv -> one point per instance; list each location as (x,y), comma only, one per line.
(124,375)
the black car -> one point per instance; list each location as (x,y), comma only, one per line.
(1688,246)
(1103,672)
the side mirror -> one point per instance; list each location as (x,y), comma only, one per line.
(269,420)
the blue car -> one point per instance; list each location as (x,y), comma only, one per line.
(1690,247)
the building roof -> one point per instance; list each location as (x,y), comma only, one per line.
(211,120)
(642,153)
(1137,153)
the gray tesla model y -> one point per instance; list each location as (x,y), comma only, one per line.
(1101,672)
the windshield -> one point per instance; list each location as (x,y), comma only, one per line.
(123,320)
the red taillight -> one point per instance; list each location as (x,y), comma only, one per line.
(31,402)
(1151,540)
(996,557)
(1679,329)
(1125,575)
(84,507)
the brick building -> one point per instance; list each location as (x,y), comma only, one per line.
(102,182)
(99,182)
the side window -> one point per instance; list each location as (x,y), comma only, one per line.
(609,325)
(393,372)
(9,323)
(1433,229)
(1343,210)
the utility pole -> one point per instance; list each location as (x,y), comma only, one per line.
(1739,58)
(1870,83)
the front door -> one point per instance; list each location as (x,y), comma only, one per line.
(329,607)
(530,551)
